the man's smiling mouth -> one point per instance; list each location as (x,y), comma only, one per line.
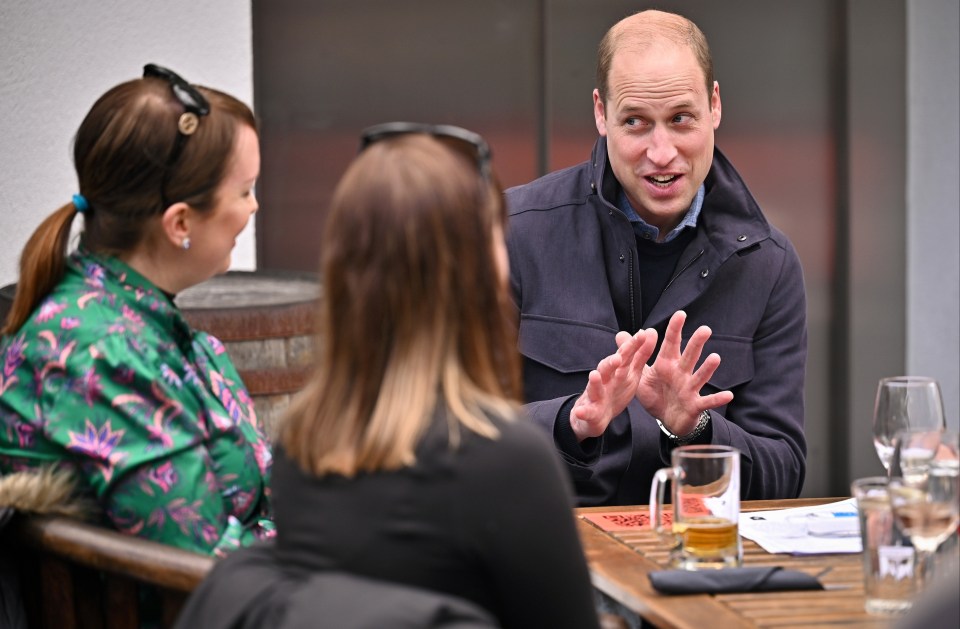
(662,180)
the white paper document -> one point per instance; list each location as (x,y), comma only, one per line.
(824,529)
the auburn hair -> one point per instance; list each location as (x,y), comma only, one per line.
(121,153)
(415,315)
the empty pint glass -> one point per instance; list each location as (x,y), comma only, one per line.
(889,561)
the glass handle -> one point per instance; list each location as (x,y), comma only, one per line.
(657,487)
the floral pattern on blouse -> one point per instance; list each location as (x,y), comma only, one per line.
(107,378)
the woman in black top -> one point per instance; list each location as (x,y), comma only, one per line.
(406,459)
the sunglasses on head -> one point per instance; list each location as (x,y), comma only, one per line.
(195,106)
(190,97)
(468,141)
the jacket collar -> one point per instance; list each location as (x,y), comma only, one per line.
(731,218)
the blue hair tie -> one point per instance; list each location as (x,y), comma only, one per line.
(80,202)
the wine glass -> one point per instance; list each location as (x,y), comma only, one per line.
(904,402)
(924,490)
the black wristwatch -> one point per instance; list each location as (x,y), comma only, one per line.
(702,422)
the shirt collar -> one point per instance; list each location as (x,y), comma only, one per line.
(649,232)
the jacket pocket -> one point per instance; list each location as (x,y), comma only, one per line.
(736,361)
(563,345)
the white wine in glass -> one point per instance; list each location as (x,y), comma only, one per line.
(924,490)
(904,402)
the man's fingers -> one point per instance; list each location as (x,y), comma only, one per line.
(694,348)
(673,335)
(593,391)
(648,343)
(705,372)
(629,345)
(584,409)
(608,366)
(716,399)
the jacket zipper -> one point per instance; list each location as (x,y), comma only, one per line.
(633,307)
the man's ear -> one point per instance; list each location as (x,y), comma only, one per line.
(715,104)
(176,222)
(599,115)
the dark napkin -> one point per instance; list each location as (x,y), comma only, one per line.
(730,580)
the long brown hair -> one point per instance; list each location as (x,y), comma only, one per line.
(121,154)
(415,314)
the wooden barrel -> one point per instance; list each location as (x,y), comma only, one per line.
(6,301)
(266,321)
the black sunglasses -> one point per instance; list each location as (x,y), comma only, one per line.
(190,97)
(471,142)
(194,104)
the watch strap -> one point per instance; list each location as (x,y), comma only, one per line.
(702,422)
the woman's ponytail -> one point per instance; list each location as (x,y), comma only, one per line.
(41,265)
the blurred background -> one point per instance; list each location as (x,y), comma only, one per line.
(841,115)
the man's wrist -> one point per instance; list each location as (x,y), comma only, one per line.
(584,451)
(703,420)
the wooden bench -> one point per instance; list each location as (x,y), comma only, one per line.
(78,576)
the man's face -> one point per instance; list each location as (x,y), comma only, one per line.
(659,122)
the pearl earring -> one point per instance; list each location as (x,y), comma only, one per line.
(186,243)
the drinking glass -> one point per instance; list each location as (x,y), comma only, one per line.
(706,506)
(924,490)
(889,565)
(904,402)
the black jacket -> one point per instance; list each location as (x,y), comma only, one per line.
(576,280)
(250,589)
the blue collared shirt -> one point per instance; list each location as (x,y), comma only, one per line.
(649,232)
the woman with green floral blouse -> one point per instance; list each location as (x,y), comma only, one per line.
(99,372)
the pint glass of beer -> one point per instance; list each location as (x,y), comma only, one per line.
(706,506)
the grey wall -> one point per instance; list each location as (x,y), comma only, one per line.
(902,314)
(871,306)
(933,196)
(59,57)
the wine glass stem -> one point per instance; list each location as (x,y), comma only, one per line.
(926,566)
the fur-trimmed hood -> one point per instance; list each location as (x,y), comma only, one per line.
(47,490)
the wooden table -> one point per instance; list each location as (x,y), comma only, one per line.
(621,560)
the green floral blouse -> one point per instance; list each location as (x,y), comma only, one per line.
(106,377)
